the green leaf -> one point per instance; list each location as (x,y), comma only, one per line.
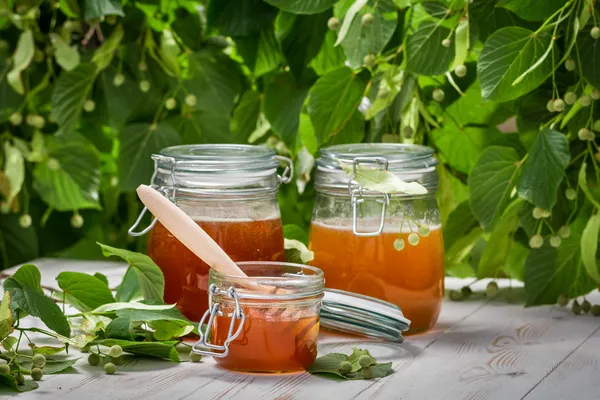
(189,28)
(460,221)
(129,289)
(105,53)
(329,57)
(6,319)
(303,41)
(333,100)
(425,54)
(169,52)
(383,181)
(17,244)
(150,277)
(52,366)
(121,305)
(544,169)
(66,56)
(303,6)
(21,60)
(588,50)
(167,324)
(7,380)
(70,178)
(70,8)
(101,277)
(204,127)
(369,39)
(84,292)
(486,18)
(530,9)
(14,170)
(147,315)
(138,142)
(118,328)
(392,82)
(239,17)
(45,350)
(245,116)
(282,106)
(582,181)
(328,364)
(291,231)
(29,275)
(349,15)
(70,92)
(352,132)
(506,55)
(589,246)
(164,350)
(491,182)
(94,9)
(214,79)
(297,252)
(166,330)
(260,51)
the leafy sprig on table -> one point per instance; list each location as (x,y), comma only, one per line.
(359,365)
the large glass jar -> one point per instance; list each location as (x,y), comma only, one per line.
(383,245)
(231,192)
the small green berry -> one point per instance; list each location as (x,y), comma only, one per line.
(142,66)
(345,367)
(446,42)
(399,244)
(492,289)
(170,103)
(595,94)
(370,60)
(25,221)
(586,306)
(466,291)
(455,295)
(119,79)
(195,357)
(576,308)
(364,361)
(333,23)
(115,351)
(564,232)
(144,86)
(562,300)
(53,164)
(191,100)
(537,213)
(76,221)
(38,56)
(555,241)
(585,101)
(111,19)
(596,310)
(424,231)
(16,119)
(597,156)
(94,359)
(550,106)
(536,241)
(413,239)
(595,32)
(4,369)
(110,368)
(366,373)
(570,98)
(460,70)
(586,135)
(89,105)
(39,360)
(559,105)
(37,374)
(570,194)
(20,378)
(596,126)
(570,64)
(36,121)
(367,19)
(438,95)
(546,213)
(408,132)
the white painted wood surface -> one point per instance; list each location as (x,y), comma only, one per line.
(480,349)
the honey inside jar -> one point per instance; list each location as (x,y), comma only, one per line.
(186,275)
(412,278)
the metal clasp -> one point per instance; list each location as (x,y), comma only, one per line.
(288,172)
(215,310)
(356,192)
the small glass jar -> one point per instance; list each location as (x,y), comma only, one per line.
(387,246)
(268,322)
(231,192)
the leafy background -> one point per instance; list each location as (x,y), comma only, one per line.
(89,89)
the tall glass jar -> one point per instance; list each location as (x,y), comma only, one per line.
(382,245)
(231,192)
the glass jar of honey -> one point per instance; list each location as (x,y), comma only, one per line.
(231,192)
(384,245)
(268,322)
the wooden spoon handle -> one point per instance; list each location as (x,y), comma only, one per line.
(188,231)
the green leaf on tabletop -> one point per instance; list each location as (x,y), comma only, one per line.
(329,57)
(149,276)
(589,247)
(52,366)
(588,50)
(105,53)
(6,319)
(29,275)
(382,181)
(118,328)
(303,7)
(46,350)
(283,101)
(530,9)
(506,56)
(129,289)
(239,17)
(66,56)
(84,292)
(101,277)
(165,350)
(95,9)
(21,59)
(8,380)
(333,100)
(330,364)
(138,142)
(14,170)
(260,51)
(166,330)
(327,364)
(544,169)
(425,45)
(356,355)
(70,93)
(491,181)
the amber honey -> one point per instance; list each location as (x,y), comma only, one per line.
(186,276)
(412,278)
(269,343)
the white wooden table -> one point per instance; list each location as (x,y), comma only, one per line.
(480,349)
